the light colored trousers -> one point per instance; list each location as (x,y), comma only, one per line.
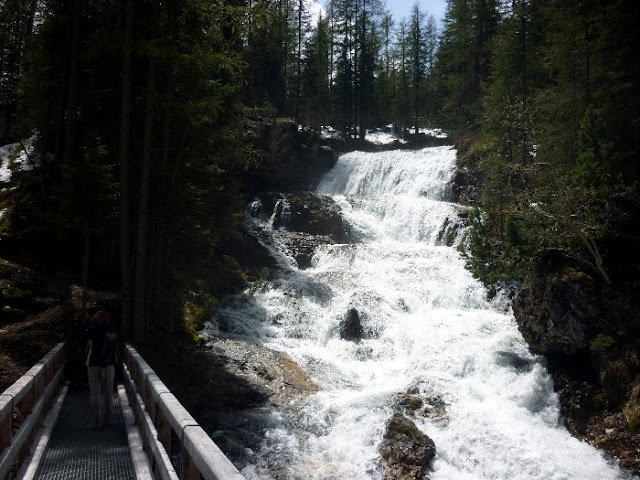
(101,388)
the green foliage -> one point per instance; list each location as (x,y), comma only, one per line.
(85,198)
(463,61)
(499,250)
(553,135)
(602,343)
(631,410)
(483,261)
(197,310)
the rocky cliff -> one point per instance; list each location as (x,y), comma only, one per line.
(587,330)
(589,333)
(286,159)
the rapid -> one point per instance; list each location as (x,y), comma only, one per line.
(429,328)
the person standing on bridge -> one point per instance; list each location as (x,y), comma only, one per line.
(101,359)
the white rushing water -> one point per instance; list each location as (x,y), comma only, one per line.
(430,327)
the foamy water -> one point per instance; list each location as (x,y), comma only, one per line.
(430,327)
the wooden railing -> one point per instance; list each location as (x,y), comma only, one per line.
(166,426)
(23,406)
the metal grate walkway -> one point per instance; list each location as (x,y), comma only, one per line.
(76,453)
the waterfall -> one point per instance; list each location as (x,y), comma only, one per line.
(429,327)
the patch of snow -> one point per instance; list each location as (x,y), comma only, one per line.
(380,137)
(329,132)
(384,136)
(24,161)
(6,153)
(434,132)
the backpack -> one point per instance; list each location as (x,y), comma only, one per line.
(107,354)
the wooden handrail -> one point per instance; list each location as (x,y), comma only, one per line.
(161,419)
(23,406)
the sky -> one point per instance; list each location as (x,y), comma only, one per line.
(402,8)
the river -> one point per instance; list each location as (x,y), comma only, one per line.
(429,327)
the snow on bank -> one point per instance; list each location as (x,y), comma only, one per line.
(388,135)
(13,157)
(434,132)
(384,136)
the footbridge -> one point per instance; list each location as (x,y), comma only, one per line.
(44,433)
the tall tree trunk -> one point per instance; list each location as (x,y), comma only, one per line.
(363,74)
(299,60)
(355,93)
(525,85)
(73,91)
(161,305)
(125,132)
(141,287)
(85,269)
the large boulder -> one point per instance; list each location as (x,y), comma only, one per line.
(302,221)
(562,307)
(406,450)
(305,212)
(351,326)
(559,313)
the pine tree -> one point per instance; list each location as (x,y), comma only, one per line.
(421,48)
(560,113)
(463,60)
(17,23)
(316,76)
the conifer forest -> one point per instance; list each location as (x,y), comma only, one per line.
(137,110)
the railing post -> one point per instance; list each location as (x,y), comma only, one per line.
(39,380)
(188,470)
(39,387)
(163,427)
(6,412)
(23,404)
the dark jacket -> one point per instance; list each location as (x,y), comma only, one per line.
(102,341)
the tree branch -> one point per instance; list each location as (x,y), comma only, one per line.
(595,253)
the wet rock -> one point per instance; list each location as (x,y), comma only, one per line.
(418,403)
(302,221)
(230,386)
(301,246)
(449,231)
(351,327)
(274,374)
(513,360)
(406,450)
(305,212)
